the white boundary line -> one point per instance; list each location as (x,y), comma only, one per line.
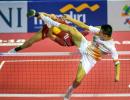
(38,54)
(45,60)
(51,53)
(48,60)
(62,95)
(118,59)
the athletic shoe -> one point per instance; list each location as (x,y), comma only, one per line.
(12,51)
(68,93)
(66,98)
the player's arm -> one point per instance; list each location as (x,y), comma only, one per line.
(117,70)
(55,38)
(77,22)
(116,64)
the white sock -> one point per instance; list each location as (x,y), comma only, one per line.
(49,21)
(71,88)
(69,92)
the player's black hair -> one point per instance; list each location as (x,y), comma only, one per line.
(107,29)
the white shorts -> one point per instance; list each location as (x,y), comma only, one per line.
(87,60)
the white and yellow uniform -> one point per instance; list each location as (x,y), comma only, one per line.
(93,51)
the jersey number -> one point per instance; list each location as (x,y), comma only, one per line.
(66,36)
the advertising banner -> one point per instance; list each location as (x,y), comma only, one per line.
(12,16)
(90,12)
(119,14)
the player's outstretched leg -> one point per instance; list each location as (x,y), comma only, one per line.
(28,43)
(76,35)
(68,93)
(79,77)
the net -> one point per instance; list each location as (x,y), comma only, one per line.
(53,72)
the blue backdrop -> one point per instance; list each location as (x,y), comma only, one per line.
(89,11)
